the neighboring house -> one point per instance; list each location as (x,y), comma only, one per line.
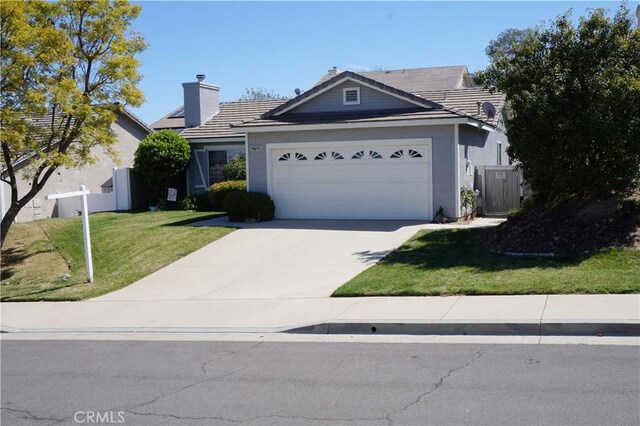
(129,130)
(372,145)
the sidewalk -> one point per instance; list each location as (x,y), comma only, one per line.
(538,315)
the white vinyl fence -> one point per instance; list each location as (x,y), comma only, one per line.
(117,200)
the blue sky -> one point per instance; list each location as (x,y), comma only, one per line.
(281,46)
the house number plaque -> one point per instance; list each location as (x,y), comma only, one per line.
(257,148)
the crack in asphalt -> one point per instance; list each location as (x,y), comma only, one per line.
(173,416)
(203,367)
(435,387)
(33,416)
(270,416)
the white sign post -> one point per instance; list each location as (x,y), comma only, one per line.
(85,225)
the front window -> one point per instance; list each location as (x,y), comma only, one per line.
(217,161)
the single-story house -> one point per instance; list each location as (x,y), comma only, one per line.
(395,144)
(129,131)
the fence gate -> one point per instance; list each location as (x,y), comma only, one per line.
(501,190)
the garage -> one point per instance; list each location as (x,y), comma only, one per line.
(351,180)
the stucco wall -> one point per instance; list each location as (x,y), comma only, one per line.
(481,148)
(443,150)
(93,176)
(370,99)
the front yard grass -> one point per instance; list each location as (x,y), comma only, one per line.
(44,260)
(454,262)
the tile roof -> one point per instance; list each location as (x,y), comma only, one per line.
(414,79)
(455,103)
(440,90)
(466,99)
(218,125)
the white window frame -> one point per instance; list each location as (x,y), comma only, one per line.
(344,96)
(498,153)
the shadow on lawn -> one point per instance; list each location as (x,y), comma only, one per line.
(14,256)
(23,296)
(451,248)
(190,222)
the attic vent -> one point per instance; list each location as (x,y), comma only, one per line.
(351,96)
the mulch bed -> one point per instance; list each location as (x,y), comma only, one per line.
(571,228)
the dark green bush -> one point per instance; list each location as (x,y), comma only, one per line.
(220,189)
(160,159)
(241,206)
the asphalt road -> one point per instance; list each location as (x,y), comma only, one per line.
(194,383)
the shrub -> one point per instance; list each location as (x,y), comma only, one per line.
(199,202)
(160,159)
(469,201)
(241,206)
(236,168)
(220,189)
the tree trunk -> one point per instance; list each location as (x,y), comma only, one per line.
(7,221)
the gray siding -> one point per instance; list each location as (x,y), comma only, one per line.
(370,99)
(443,150)
(481,148)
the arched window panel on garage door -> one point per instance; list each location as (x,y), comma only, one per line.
(405,153)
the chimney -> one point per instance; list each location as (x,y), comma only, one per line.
(333,71)
(200,101)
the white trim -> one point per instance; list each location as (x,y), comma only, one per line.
(353,125)
(349,143)
(342,80)
(479,124)
(344,96)
(211,147)
(230,139)
(246,156)
(427,142)
(456,145)
(195,152)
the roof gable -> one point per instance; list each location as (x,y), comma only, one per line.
(345,79)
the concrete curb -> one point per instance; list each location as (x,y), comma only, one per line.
(534,328)
(160,330)
(625,329)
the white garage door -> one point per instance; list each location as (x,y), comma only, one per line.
(362,180)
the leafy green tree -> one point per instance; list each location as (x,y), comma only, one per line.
(259,94)
(160,160)
(235,169)
(504,44)
(574,96)
(67,68)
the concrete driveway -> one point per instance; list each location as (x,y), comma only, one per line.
(275,260)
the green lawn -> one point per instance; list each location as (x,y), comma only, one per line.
(126,247)
(450,262)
